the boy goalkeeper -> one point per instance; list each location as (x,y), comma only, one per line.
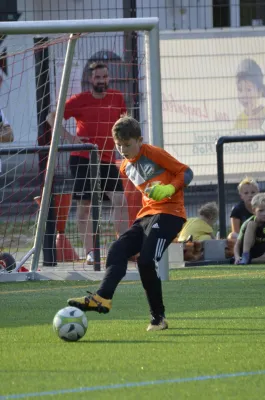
(161,179)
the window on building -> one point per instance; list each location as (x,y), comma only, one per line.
(221,13)
(8,10)
(252,12)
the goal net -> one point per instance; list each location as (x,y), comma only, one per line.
(32,70)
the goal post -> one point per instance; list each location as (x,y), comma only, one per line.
(75,29)
(44,206)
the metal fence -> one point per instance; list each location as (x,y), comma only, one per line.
(174,15)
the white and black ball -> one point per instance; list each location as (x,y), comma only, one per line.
(70,324)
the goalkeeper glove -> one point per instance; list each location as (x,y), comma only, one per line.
(160,192)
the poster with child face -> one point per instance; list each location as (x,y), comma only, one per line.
(213,85)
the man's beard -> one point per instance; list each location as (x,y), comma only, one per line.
(100,89)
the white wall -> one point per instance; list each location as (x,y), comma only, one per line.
(18,91)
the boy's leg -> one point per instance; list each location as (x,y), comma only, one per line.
(128,244)
(248,243)
(159,233)
(120,251)
(257,251)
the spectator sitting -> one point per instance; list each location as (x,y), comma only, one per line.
(6,132)
(200,228)
(247,189)
(251,239)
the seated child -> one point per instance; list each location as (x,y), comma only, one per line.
(201,227)
(251,239)
(247,189)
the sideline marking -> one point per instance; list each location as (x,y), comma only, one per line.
(132,385)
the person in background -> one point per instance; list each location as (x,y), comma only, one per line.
(6,132)
(251,239)
(161,180)
(200,228)
(247,189)
(95,113)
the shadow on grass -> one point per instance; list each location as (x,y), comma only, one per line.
(194,335)
(148,341)
(247,330)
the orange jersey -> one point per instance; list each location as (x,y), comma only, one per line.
(154,165)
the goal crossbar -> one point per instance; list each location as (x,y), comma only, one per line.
(77,26)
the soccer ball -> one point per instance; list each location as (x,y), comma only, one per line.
(70,324)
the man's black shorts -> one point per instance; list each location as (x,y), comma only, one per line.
(109,178)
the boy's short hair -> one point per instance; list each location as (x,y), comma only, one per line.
(209,211)
(126,128)
(248,180)
(258,200)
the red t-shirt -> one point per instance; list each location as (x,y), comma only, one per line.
(95,119)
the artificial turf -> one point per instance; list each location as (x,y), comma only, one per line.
(213,349)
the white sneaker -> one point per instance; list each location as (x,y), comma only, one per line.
(157,324)
(90,258)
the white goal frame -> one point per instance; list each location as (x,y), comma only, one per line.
(74,27)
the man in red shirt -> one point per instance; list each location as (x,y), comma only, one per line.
(95,113)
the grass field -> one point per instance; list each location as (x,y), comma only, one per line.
(214,348)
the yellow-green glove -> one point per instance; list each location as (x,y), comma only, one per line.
(160,192)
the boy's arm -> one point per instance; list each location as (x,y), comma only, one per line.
(237,250)
(239,243)
(182,174)
(235,224)
(244,241)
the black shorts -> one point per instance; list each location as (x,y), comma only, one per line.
(109,178)
(150,236)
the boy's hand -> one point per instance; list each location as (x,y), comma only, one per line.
(160,192)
